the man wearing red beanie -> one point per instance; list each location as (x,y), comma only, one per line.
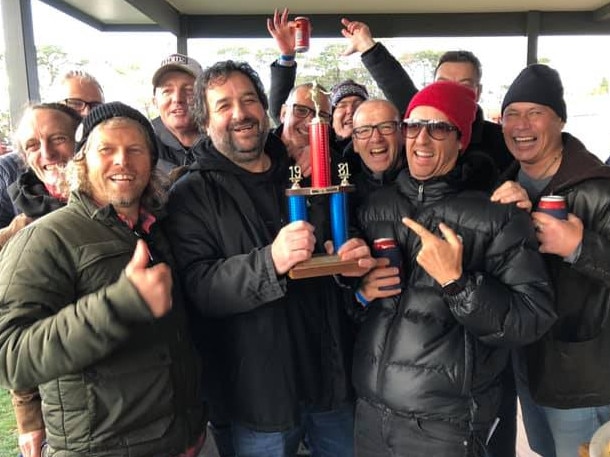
(472,284)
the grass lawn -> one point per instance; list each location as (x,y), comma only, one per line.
(8,431)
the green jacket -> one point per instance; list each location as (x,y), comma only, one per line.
(113,380)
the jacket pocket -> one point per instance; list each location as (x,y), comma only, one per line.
(131,396)
(566,374)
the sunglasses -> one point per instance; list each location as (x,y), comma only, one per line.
(437,130)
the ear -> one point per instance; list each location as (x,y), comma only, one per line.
(283,113)
(478,92)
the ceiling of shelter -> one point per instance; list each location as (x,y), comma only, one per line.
(143,12)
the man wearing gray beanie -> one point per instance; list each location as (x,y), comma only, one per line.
(567,370)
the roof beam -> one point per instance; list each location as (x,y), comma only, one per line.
(160,12)
(407,25)
(70,10)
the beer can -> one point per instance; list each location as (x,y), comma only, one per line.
(388,248)
(303,32)
(554,205)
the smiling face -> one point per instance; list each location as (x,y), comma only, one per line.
(172,97)
(378,152)
(295,133)
(237,123)
(532,133)
(343,115)
(46,136)
(427,157)
(119,163)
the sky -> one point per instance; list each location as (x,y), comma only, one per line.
(124,62)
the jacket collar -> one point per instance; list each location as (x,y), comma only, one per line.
(30,196)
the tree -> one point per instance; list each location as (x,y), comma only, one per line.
(52,62)
(421,65)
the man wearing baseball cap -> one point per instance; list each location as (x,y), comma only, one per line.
(568,369)
(429,354)
(177,133)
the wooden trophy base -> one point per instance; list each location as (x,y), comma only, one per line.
(323,265)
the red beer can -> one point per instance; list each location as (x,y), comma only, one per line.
(554,205)
(388,248)
(303,32)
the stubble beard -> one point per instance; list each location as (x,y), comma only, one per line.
(242,155)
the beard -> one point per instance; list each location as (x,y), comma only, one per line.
(242,150)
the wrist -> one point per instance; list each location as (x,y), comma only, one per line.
(454,286)
(286,63)
(367,46)
(360,298)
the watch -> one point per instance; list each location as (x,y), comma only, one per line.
(455,286)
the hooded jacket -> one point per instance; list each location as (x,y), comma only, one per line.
(270,342)
(172,153)
(569,367)
(428,355)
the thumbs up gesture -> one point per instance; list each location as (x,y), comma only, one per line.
(154,284)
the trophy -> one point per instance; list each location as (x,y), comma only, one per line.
(319,149)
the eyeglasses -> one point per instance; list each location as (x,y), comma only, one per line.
(366,131)
(438,130)
(78,104)
(302,112)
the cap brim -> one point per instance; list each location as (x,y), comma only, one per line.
(170,67)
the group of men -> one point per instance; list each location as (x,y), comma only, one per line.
(131,316)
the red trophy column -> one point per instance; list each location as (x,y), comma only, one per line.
(319,148)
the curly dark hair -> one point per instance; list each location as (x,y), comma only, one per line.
(218,74)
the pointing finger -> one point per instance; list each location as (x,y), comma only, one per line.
(417,228)
(451,237)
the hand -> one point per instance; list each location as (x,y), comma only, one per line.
(359,36)
(30,443)
(380,276)
(352,249)
(441,258)
(154,284)
(18,222)
(512,192)
(283,32)
(557,236)
(293,244)
(302,158)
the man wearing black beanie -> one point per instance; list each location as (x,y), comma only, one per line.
(568,368)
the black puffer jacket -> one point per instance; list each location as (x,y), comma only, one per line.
(269,342)
(428,355)
(569,367)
